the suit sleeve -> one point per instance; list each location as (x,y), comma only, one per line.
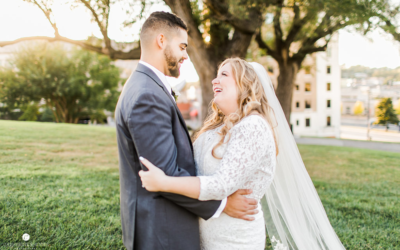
(150,126)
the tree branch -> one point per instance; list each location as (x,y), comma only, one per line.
(182,9)
(389,27)
(47,12)
(222,13)
(392,30)
(323,30)
(103,30)
(263,45)
(298,24)
(301,54)
(277,25)
(131,54)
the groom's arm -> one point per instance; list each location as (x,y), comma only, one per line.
(150,126)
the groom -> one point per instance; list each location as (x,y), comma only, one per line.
(149,124)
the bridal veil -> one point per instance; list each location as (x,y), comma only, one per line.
(293,212)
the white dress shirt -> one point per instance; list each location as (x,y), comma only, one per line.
(160,75)
(163,79)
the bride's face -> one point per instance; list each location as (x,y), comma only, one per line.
(225,90)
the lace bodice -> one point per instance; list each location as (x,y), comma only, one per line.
(248,160)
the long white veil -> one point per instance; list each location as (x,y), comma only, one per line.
(293,212)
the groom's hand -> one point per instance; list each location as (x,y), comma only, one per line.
(238,206)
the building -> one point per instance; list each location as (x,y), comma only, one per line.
(316,96)
(368,94)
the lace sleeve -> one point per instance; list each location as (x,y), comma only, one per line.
(243,156)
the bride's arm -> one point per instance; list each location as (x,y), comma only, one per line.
(155,180)
(243,152)
(248,145)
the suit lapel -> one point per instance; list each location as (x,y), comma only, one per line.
(145,70)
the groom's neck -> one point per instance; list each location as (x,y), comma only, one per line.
(154,61)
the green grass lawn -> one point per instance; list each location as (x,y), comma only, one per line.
(60,184)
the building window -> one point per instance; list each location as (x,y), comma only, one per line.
(308,87)
(297,122)
(348,110)
(297,87)
(328,69)
(329,51)
(308,122)
(308,104)
(297,104)
(328,103)
(328,86)
(328,121)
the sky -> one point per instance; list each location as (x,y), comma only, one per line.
(20,19)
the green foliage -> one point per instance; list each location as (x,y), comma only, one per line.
(30,114)
(385,113)
(74,83)
(316,19)
(65,178)
(47,115)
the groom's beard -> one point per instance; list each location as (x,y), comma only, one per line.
(172,62)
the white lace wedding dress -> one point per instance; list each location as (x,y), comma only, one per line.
(248,162)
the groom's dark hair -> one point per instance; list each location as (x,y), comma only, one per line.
(161,20)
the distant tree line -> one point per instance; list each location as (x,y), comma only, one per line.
(389,74)
(49,82)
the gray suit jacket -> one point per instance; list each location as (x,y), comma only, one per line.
(149,124)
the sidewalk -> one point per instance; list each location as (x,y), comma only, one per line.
(390,147)
(360,133)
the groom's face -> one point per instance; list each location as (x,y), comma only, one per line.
(175,52)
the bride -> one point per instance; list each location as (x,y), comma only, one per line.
(246,143)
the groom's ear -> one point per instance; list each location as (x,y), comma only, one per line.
(161,40)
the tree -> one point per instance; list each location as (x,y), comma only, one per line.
(100,12)
(220,29)
(74,85)
(397,107)
(296,28)
(387,19)
(31,113)
(385,113)
(358,108)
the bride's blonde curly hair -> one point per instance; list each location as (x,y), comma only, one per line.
(251,97)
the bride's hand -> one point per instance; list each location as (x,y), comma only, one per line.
(154,178)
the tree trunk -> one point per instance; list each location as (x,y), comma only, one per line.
(287,75)
(206,76)
(206,64)
(206,68)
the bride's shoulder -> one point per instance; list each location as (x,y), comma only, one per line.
(251,123)
(253,120)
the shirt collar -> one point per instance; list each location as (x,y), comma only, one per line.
(160,75)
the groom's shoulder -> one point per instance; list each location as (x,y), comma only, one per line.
(140,79)
(140,86)
(139,82)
